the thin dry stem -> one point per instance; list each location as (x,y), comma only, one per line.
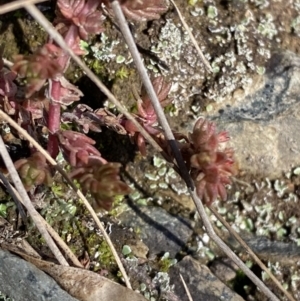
(27,203)
(150,90)
(39,17)
(227,250)
(12,191)
(7,63)
(78,192)
(186,288)
(170,137)
(234,179)
(252,254)
(6,8)
(187,28)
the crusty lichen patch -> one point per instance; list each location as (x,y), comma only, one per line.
(237,39)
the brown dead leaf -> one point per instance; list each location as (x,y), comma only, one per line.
(79,283)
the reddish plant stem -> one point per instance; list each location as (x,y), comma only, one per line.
(54,109)
(53,126)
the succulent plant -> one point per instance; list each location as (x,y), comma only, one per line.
(87,119)
(146,115)
(83,14)
(34,171)
(102,181)
(8,88)
(77,148)
(38,67)
(145,108)
(61,91)
(210,166)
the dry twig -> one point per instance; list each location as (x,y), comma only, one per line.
(186,288)
(27,203)
(170,138)
(39,17)
(52,232)
(187,28)
(252,254)
(12,193)
(6,8)
(79,193)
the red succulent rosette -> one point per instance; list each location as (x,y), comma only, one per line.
(102,181)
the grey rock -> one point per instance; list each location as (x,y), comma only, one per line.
(21,281)
(202,284)
(224,268)
(276,251)
(264,123)
(278,91)
(159,230)
(286,253)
